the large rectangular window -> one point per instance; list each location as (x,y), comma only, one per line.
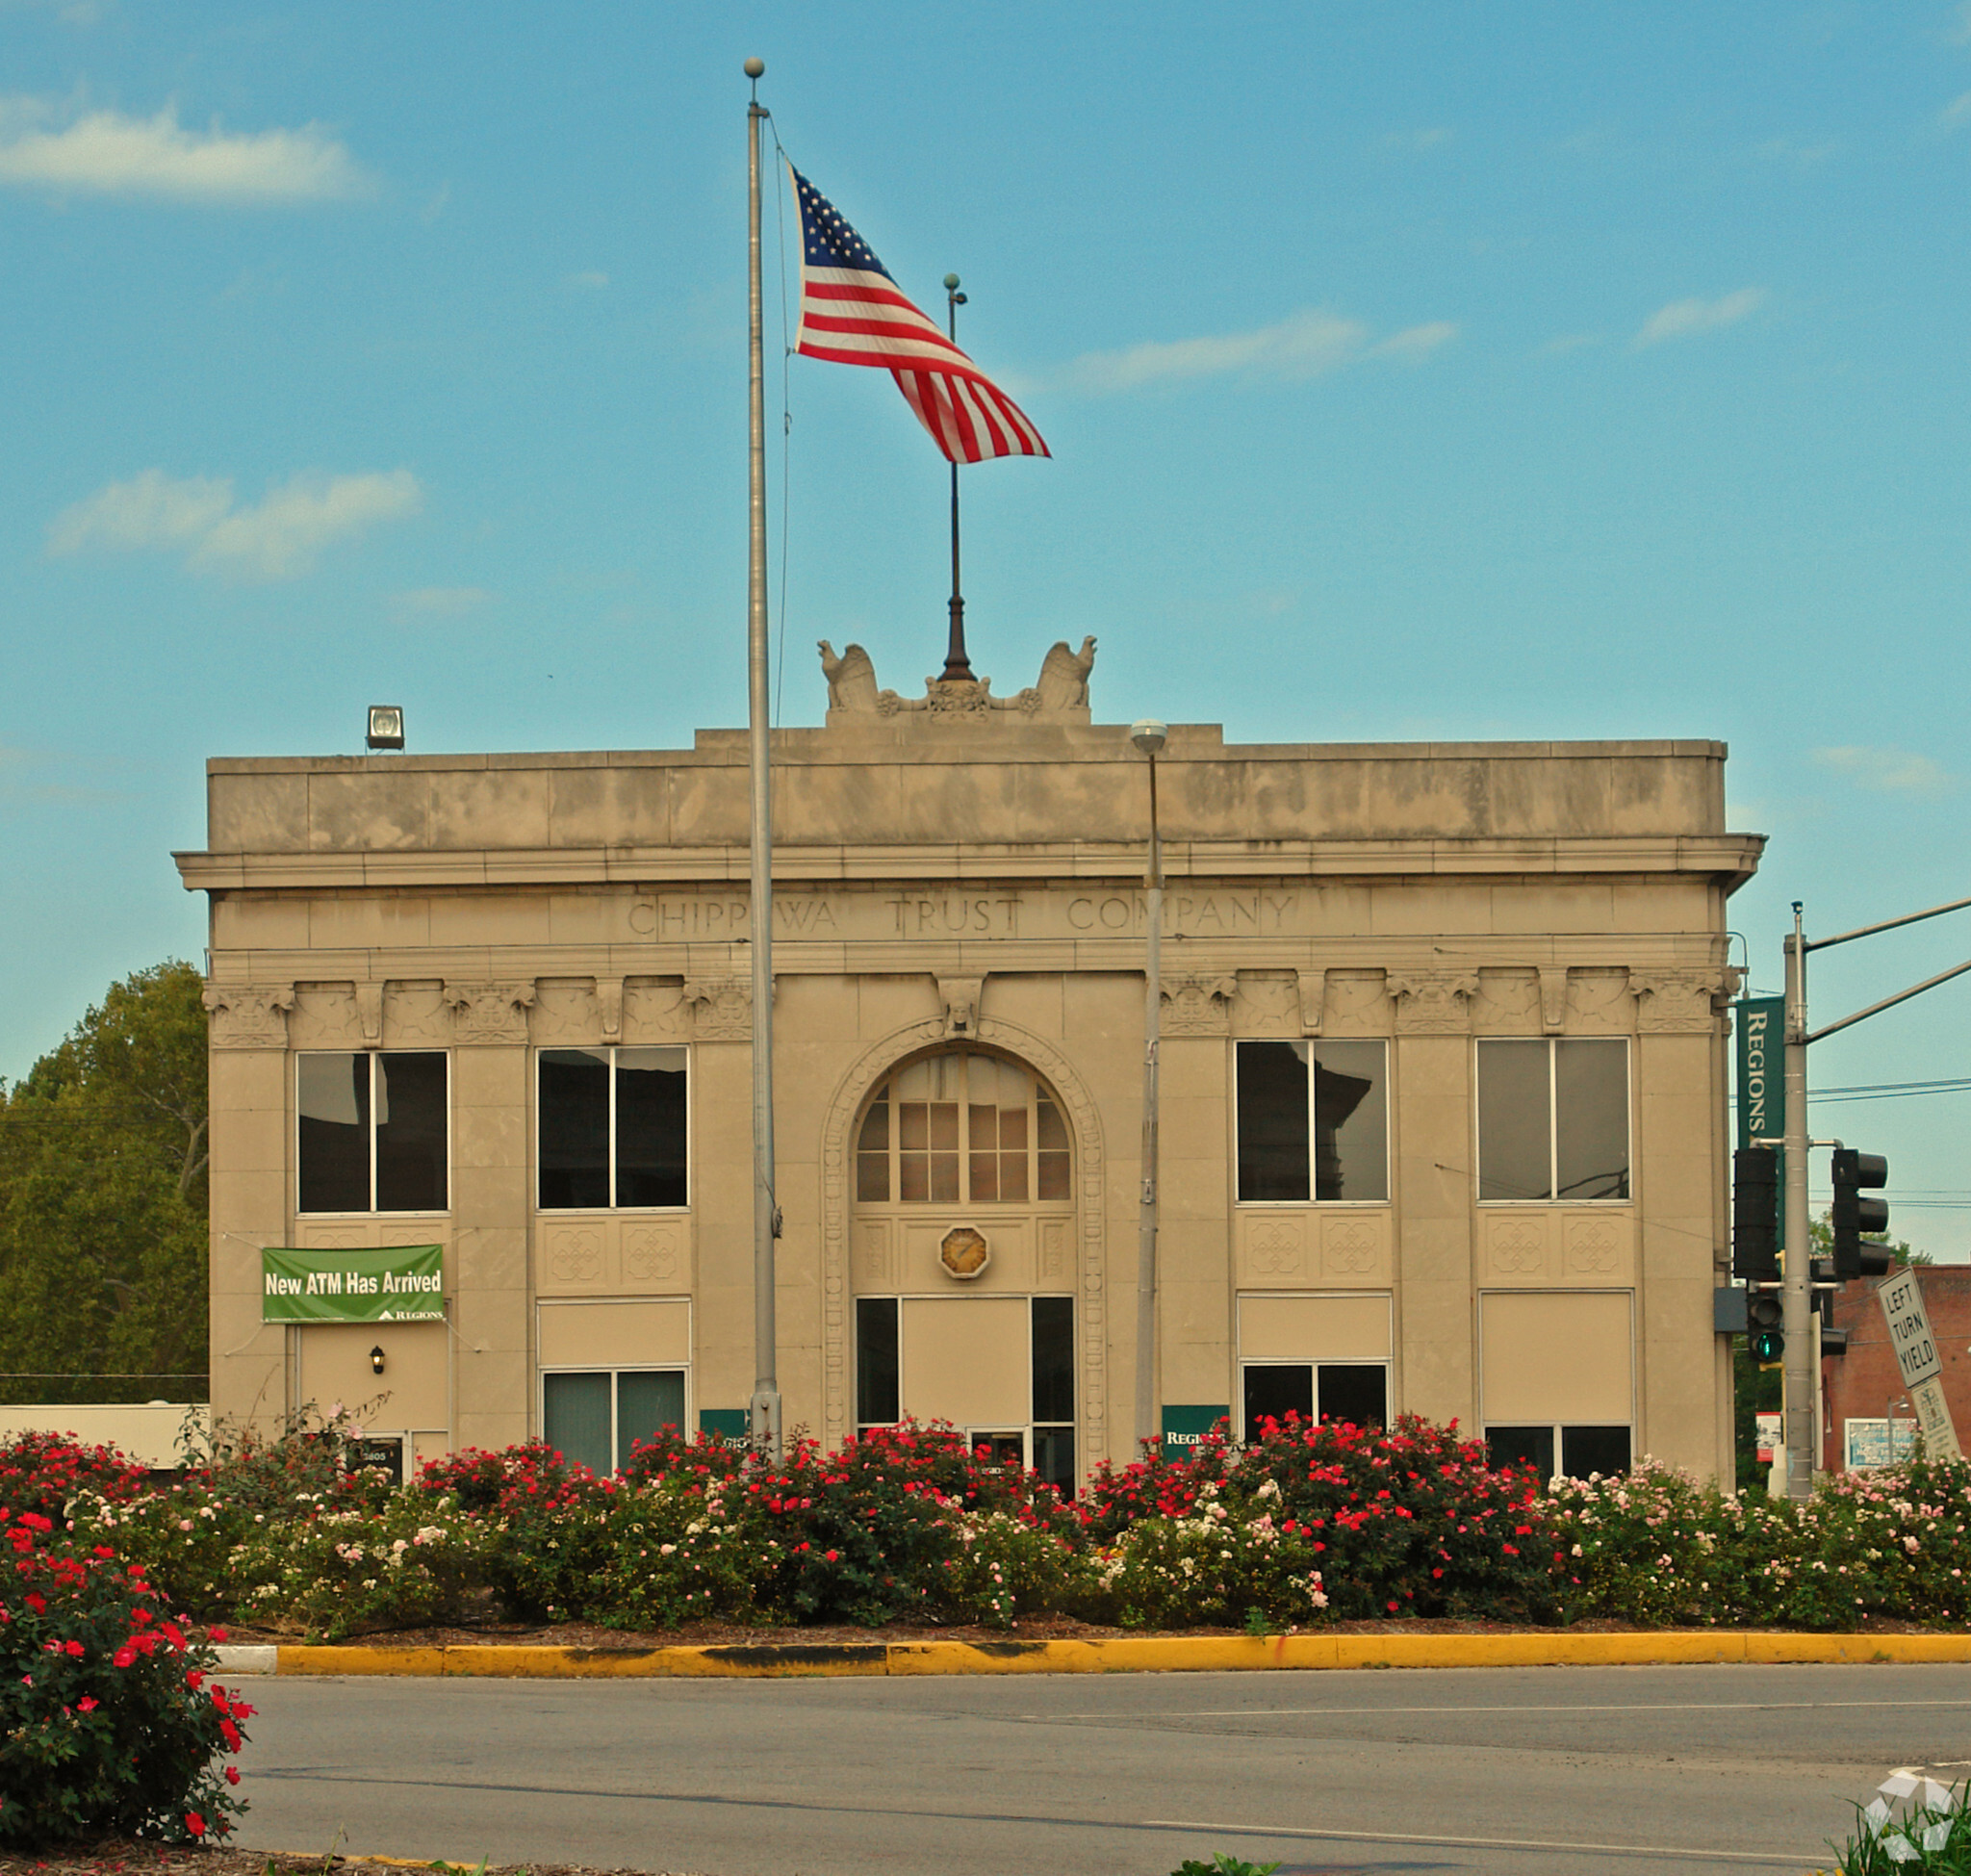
(597,1418)
(613,1129)
(1554,1120)
(372,1131)
(1312,1120)
(1357,1392)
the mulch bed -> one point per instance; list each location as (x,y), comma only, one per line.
(123,1857)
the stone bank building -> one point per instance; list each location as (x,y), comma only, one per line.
(1443,1081)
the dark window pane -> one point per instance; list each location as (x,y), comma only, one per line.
(875,1136)
(1053,1457)
(332,1097)
(1591,1118)
(1355,1391)
(575,1129)
(872,1155)
(651,1127)
(1275,1390)
(1527,1446)
(1352,1120)
(876,1361)
(1273,1121)
(645,1403)
(1051,1127)
(575,1418)
(1053,1357)
(410,1133)
(944,1177)
(1594,1449)
(1514,1131)
(1057,1181)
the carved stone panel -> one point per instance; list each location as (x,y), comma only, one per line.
(1268,1004)
(489,1012)
(573,1253)
(876,1267)
(654,1253)
(721,1007)
(1599,1002)
(1553,999)
(1352,1246)
(1056,1265)
(249,1015)
(564,1013)
(609,1007)
(1594,1246)
(654,1010)
(960,996)
(1516,1244)
(1433,1002)
(1314,1001)
(413,1015)
(324,1016)
(1197,1004)
(1356,1003)
(1276,1246)
(1507,1003)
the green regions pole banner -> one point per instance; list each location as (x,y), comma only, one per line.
(1762,1082)
(404,1283)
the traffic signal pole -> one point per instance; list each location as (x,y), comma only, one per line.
(1799,1366)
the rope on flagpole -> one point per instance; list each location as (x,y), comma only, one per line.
(787,410)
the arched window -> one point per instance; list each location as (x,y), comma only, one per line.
(963,1128)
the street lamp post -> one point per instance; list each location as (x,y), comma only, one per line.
(1148,735)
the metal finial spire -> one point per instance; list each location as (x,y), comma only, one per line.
(955,663)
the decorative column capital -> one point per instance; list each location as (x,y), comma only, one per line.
(489,1012)
(248,1015)
(721,1007)
(1433,1002)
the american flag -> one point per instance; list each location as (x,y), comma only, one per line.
(851,312)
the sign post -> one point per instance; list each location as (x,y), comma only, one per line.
(1921,1363)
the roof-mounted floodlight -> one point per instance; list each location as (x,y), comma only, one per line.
(386,725)
(1148,734)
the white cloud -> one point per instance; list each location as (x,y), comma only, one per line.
(1955,114)
(1893,771)
(588,277)
(1683,319)
(1430,137)
(444,602)
(1311,343)
(106,153)
(281,535)
(1960,31)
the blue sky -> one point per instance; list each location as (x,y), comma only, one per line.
(1411,371)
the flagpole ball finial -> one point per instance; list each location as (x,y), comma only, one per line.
(755,68)
(950,280)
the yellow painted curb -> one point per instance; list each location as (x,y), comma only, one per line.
(1123,1654)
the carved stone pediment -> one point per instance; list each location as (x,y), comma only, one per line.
(1062,690)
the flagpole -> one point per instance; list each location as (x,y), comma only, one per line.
(765,1408)
(955,663)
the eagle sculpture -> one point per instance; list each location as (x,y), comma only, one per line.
(850,677)
(1064,676)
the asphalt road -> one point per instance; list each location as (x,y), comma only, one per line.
(1576,1770)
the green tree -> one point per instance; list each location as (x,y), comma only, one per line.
(103,1202)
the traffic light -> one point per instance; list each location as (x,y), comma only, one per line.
(1833,1341)
(1756,1215)
(1763,1314)
(1854,1215)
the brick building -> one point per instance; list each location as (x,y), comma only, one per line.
(1864,1384)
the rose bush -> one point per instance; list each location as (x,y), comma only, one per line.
(108,1723)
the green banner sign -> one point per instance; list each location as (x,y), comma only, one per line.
(1762,1080)
(404,1283)
(731,1426)
(1184,1427)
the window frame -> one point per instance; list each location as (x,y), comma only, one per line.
(1314,1364)
(614,1371)
(1388,1161)
(1560,1429)
(1031,1428)
(373,1210)
(1554,1196)
(690,1128)
(884,1094)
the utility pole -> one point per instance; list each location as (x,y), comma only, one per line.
(1148,735)
(1800,1368)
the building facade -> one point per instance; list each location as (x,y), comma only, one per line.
(1443,1081)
